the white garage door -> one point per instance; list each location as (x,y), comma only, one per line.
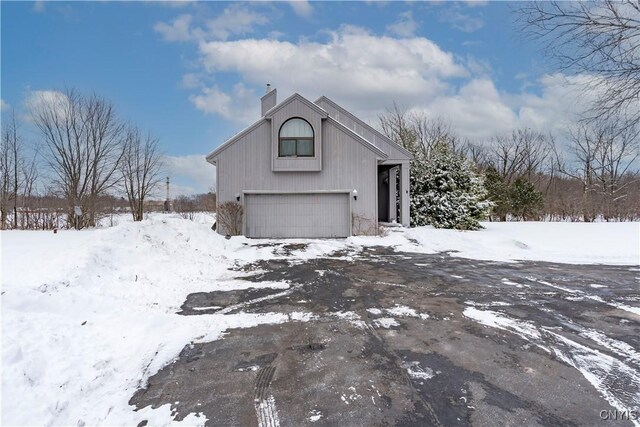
(297,215)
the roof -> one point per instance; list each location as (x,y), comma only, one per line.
(233,139)
(358,138)
(366,126)
(314,106)
(318,109)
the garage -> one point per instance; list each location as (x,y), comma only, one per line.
(297,215)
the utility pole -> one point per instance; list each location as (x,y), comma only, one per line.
(167,202)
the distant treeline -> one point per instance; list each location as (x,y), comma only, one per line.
(593,175)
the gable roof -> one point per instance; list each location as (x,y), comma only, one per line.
(378,134)
(212,155)
(358,137)
(296,96)
(314,106)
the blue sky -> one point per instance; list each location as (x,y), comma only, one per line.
(192,73)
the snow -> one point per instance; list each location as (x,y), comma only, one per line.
(562,242)
(603,371)
(314,415)
(401,311)
(88,316)
(385,322)
(417,372)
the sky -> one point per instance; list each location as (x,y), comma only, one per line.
(192,73)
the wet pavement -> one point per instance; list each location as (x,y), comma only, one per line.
(416,340)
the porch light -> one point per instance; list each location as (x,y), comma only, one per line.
(355,194)
(238,197)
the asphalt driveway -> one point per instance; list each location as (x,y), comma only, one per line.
(413,339)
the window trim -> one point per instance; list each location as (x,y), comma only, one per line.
(288,138)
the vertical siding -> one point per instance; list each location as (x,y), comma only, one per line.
(346,165)
(297,108)
(268,101)
(355,125)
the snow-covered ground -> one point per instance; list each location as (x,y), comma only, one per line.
(88,316)
(563,242)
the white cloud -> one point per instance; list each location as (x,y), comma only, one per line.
(234,20)
(37,100)
(477,66)
(178,30)
(302,8)
(4,106)
(478,110)
(189,174)
(241,105)
(405,25)
(461,21)
(561,101)
(353,65)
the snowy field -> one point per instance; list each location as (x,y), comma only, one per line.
(88,316)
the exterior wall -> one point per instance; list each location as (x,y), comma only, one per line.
(296,108)
(268,101)
(346,165)
(357,126)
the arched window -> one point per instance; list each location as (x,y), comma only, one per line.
(295,139)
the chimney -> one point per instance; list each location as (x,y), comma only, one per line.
(268,100)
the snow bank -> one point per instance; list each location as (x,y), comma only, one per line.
(572,243)
(88,316)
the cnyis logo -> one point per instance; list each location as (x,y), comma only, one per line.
(620,415)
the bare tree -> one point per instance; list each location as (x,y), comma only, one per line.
(605,163)
(30,176)
(83,140)
(598,39)
(10,164)
(396,126)
(6,168)
(418,132)
(140,168)
(522,153)
(431,131)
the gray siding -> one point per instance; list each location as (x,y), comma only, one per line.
(351,122)
(296,108)
(268,101)
(346,165)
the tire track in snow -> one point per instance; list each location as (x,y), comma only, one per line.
(620,306)
(617,381)
(264,402)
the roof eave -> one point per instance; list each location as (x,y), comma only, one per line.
(369,127)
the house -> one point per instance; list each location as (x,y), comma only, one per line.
(311,169)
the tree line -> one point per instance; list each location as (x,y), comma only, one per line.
(593,174)
(529,175)
(85,155)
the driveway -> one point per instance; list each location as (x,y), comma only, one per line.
(412,339)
